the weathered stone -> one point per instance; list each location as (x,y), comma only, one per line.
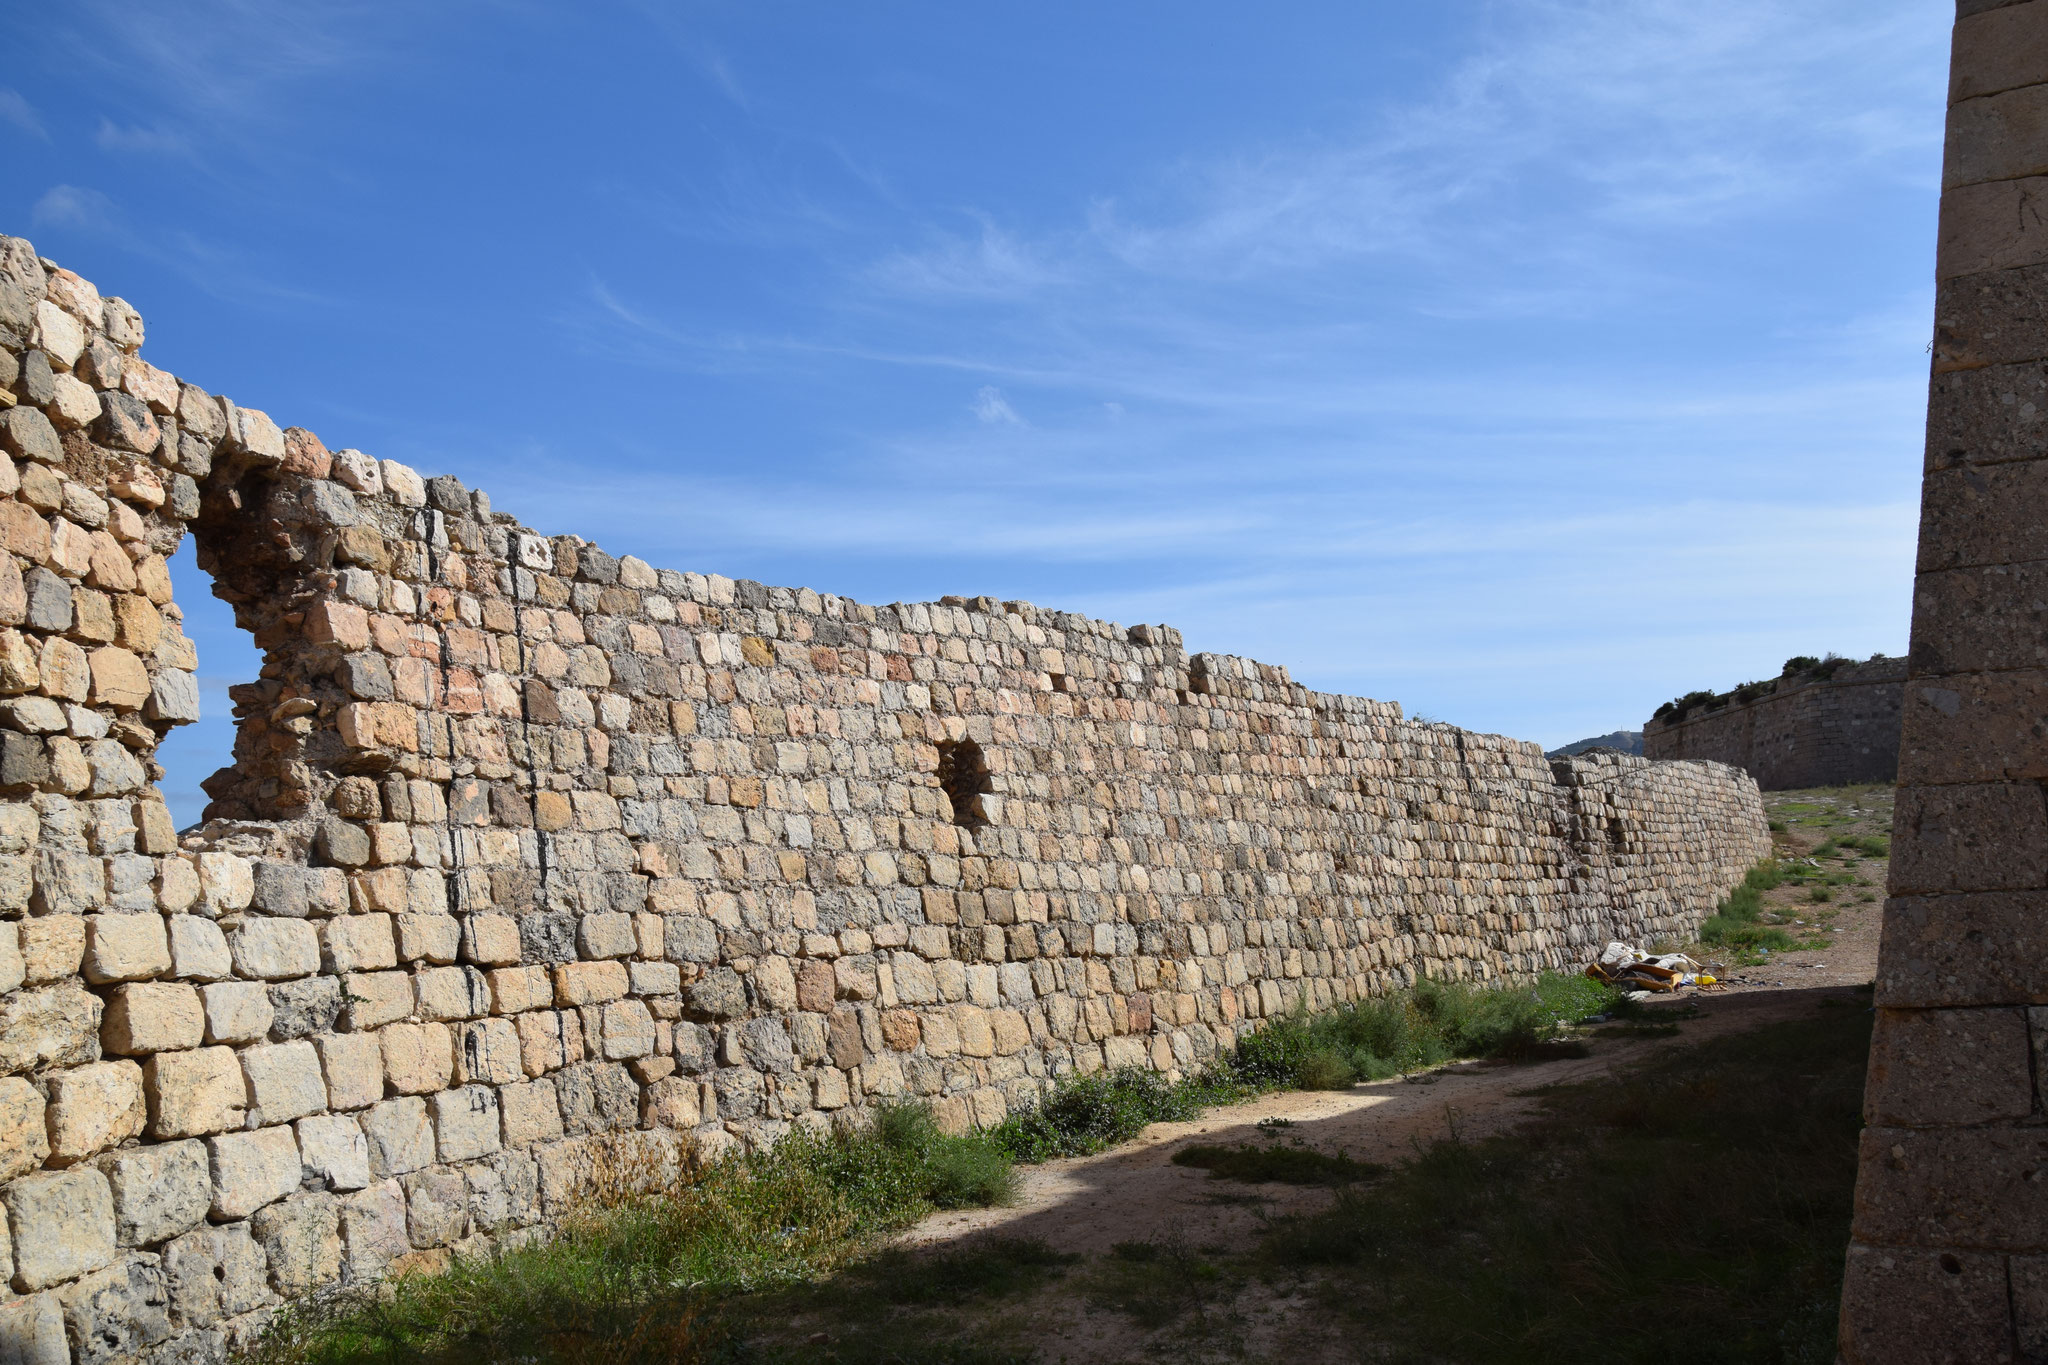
(275,949)
(334,1152)
(236,1011)
(125,948)
(400,1136)
(301,1240)
(56,1026)
(216,1273)
(93,1108)
(191,1094)
(466,1122)
(285,1082)
(153,1016)
(62,1226)
(353,1064)
(252,1169)
(160,1192)
(119,1313)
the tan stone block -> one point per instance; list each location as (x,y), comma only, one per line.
(816,987)
(125,948)
(24,1138)
(285,1082)
(376,999)
(540,1043)
(62,1226)
(977,1037)
(236,1011)
(358,943)
(466,1122)
(94,1108)
(56,1026)
(428,938)
(338,623)
(177,887)
(400,1135)
(1012,1034)
(191,1094)
(900,1030)
(590,983)
(418,1058)
(198,948)
(514,990)
(118,678)
(275,949)
(530,1113)
(451,993)
(250,1170)
(152,1016)
(52,948)
(492,940)
(627,1029)
(353,1066)
(487,1052)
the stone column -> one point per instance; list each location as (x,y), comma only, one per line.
(1949,1257)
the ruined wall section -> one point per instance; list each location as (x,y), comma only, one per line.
(1949,1258)
(527,848)
(1830,732)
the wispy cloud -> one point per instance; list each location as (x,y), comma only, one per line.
(72,206)
(993,409)
(15,109)
(114,137)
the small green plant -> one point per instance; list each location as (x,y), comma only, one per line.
(1820,895)
(1734,923)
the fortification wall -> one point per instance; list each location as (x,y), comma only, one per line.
(1809,733)
(528,848)
(1949,1258)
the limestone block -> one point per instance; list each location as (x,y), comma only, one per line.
(236,1011)
(487,1052)
(153,1016)
(718,994)
(628,1030)
(160,1191)
(125,948)
(377,998)
(252,1169)
(119,679)
(358,943)
(68,884)
(654,978)
(333,1151)
(191,1094)
(285,1082)
(400,1136)
(597,1097)
(466,1122)
(226,881)
(491,940)
(32,1332)
(607,936)
(590,983)
(373,1230)
(24,1138)
(301,1240)
(353,1064)
(119,1313)
(13,968)
(198,948)
(177,890)
(418,1058)
(428,938)
(515,990)
(62,1225)
(216,1273)
(93,1108)
(275,949)
(452,993)
(437,1207)
(530,1113)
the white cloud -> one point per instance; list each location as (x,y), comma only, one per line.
(72,206)
(18,111)
(994,409)
(113,137)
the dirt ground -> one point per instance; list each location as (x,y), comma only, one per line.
(1089,1205)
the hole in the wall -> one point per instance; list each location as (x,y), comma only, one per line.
(227,654)
(1617,836)
(1950,1263)
(963,774)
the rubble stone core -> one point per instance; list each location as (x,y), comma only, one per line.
(528,849)
(1949,1255)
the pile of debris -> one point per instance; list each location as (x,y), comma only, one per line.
(1631,969)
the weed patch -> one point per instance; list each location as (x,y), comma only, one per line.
(637,1276)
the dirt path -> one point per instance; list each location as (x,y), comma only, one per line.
(1136,1193)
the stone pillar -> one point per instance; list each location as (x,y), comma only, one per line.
(1949,1256)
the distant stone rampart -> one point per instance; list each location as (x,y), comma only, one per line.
(527,849)
(1806,731)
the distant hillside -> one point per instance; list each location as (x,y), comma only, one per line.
(1628,741)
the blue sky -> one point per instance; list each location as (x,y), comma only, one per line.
(1526,362)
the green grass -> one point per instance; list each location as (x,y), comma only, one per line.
(1694,1210)
(634,1276)
(1426,1025)
(1734,923)
(1284,1163)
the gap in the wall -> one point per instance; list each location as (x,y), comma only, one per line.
(227,655)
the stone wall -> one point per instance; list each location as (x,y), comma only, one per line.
(1810,732)
(528,849)
(1950,1253)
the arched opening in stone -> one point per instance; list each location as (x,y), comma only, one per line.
(963,775)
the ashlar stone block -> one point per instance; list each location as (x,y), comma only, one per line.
(125,948)
(191,1094)
(24,1138)
(333,1151)
(153,1016)
(285,1082)
(160,1191)
(252,1169)
(62,1226)
(93,1108)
